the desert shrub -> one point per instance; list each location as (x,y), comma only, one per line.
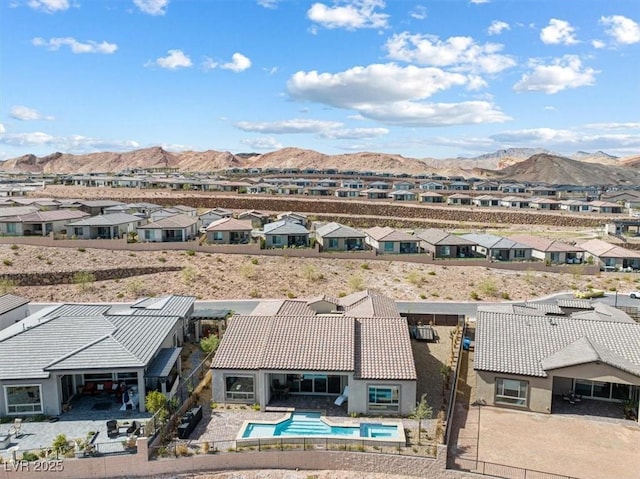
(189,275)
(310,273)
(365,266)
(415,278)
(474,295)
(254,293)
(190,252)
(7,262)
(84,279)
(210,343)
(488,288)
(505,295)
(356,282)
(431,273)
(162,259)
(248,271)
(7,286)
(14,246)
(423,296)
(82,250)
(135,287)
(254,261)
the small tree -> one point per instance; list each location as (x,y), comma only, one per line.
(155,401)
(209,343)
(60,444)
(421,412)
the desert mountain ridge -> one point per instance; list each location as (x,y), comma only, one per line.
(519,164)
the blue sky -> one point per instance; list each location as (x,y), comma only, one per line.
(422,79)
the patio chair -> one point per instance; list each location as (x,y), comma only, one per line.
(16,428)
(112,428)
(133,429)
(343,397)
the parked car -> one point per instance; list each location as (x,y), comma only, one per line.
(634,294)
(590,293)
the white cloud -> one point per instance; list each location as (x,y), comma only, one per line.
(407,113)
(349,14)
(497,27)
(238,63)
(25,113)
(354,133)
(2,129)
(392,94)
(478,2)
(622,29)
(296,125)
(614,126)
(49,6)
(175,59)
(458,53)
(89,46)
(562,73)
(419,12)
(377,83)
(263,143)
(549,108)
(598,44)
(270,4)
(558,32)
(357,117)
(152,7)
(570,140)
(70,144)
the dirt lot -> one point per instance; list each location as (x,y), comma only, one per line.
(576,447)
(218,276)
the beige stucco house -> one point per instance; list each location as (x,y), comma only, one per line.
(528,361)
(319,347)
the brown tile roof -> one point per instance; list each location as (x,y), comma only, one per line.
(386,233)
(544,244)
(383,349)
(307,343)
(230,224)
(175,221)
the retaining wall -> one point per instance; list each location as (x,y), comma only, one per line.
(137,465)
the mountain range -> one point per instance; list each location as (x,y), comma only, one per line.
(518,164)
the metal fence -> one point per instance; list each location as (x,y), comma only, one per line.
(502,471)
(454,382)
(188,448)
(162,421)
(49,453)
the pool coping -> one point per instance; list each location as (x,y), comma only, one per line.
(343,422)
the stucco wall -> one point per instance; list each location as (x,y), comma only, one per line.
(539,398)
(10,317)
(49,396)
(359,396)
(598,372)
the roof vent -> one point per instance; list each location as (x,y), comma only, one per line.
(553,322)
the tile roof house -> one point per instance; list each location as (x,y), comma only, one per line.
(611,257)
(285,233)
(441,244)
(551,251)
(523,360)
(229,231)
(386,240)
(12,309)
(56,353)
(499,248)
(38,223)
(104,226)
(337,237)
(306,349)
(178,227)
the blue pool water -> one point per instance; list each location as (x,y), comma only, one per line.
(310,424)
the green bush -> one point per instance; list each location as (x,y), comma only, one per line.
(475,296)
(210,343)
(7,262)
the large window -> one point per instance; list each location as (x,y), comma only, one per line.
(240,388)
(333,243)
(602,390)
(11,228)
(511,391)
(388,246)
(23,399)
(384,398)
(217,236)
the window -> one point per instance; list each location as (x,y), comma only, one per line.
(388,246)
(100,377)
(147,235)
(239,388)
(23,399)
(127,378)
(384,398)
(77,231)
(518,253)
(11,228)
(445,250)
(333,243)
(217,236)
(511,391)
(276,240)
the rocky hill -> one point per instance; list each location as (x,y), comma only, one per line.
(556,170)
(513,163)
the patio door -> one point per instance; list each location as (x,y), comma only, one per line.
(66,387)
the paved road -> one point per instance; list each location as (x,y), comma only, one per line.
(467,308)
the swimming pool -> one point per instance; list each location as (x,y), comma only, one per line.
(313,424)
